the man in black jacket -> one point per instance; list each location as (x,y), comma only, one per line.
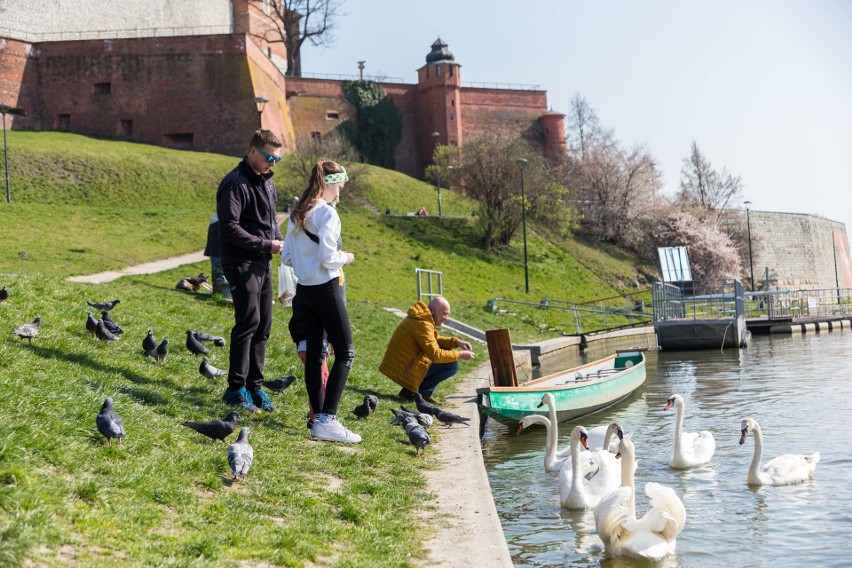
(248,237)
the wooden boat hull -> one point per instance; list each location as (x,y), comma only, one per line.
(577,391)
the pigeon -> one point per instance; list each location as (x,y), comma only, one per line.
(240,456)
(209,371)
(417,435)
(367,407)
(216,429)
(160,352)
(91,323)
(110,324)
(102,333)
(4,293)
(425,420)
(280,384)
(204,337)
(109,422)
(103,305)
(197,280)
(183,284)
(449,418)
(28,330)
(423,406)
(149,343)
(195,347)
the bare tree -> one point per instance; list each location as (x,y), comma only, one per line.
(332,146)
(704,187)
(584,129)
(292,22)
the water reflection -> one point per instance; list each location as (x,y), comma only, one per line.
(797,387)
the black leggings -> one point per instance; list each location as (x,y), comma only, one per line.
(324,311)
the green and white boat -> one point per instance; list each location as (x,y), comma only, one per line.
(578,391)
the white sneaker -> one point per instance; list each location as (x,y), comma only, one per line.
(328,428)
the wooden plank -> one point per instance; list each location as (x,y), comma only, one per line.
(502,359)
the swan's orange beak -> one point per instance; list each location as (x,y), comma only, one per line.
(669,404)
(520,428)
(618,455)
(584,440)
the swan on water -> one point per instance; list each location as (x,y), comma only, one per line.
(598,436)
(783,470)
(691,449)
(654,535)
(588,476)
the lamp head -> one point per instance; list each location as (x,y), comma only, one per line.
(260,102)
(747,205)
(522,162)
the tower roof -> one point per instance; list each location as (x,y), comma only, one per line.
(439,52)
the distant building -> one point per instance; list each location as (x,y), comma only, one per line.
(185,75)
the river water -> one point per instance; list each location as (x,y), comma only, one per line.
(798,388)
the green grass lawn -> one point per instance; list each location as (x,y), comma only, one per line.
(163,498)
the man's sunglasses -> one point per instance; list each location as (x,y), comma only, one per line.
(269,159)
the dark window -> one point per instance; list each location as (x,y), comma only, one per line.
(451,70)
(437,71)
(102,88)
(453,102)
(125,127)
(63,122)
(332,115)
(316,136)
(179,140)
(269,52)
(452,116)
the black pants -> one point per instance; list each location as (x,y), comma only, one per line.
(251,289)
(324,311)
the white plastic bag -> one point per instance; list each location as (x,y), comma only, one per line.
(286,285)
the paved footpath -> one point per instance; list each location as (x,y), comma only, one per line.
(147,268)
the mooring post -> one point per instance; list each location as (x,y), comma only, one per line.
(502,359)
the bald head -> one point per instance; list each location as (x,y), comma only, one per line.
(440,309)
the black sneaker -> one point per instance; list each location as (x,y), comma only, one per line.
(240,398)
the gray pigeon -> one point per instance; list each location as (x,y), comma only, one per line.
(195,347)
(110,324)
(197,281)
(149,343)
(103,305)
(425,420)
(216,429)
(102,333)
(204,337)
(91,323)
(280,384)
(240,456)
(449,418)
(4,293)
(160,352)
(365,409)
(28,330)
(423,406)
(109,422)
(417,435)
(209,371)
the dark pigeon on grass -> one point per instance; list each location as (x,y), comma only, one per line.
(209,371)
(195,347)
(109,422)
(402,417)
(91,323)
(449,418)
(367,407)
(4,293)
(197,281)
(417,435)
(102,333)
(110,323)
(204,337)
(425,420)
(103,305)
(28,330)
(280,384)
(160,352)
(423,406)
(149,343)
(240,456)
(216,429)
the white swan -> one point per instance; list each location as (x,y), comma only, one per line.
(598,436)
(588,476)
(691,449)
(655,534)
(783,470)
(551,462)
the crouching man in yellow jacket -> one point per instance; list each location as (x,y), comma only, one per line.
(417,358)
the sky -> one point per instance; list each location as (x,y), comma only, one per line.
(763,87)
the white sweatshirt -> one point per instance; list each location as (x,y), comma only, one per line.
(315,263)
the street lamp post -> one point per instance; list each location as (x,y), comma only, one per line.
(750,258)
(4,110)
(522,163)
(260,102)
(435,136)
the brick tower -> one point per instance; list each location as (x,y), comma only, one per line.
(553,124)
(438,100)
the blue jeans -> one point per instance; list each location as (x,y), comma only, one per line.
(437,373)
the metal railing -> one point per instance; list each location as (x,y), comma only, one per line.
(347,77)
(700,299)
(799,303)
(163,31)
(509,86)
(429,275)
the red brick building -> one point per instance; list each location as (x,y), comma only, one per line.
(198,92)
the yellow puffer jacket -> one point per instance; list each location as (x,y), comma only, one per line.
(414,346)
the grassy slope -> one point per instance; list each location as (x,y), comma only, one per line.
(63,495)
